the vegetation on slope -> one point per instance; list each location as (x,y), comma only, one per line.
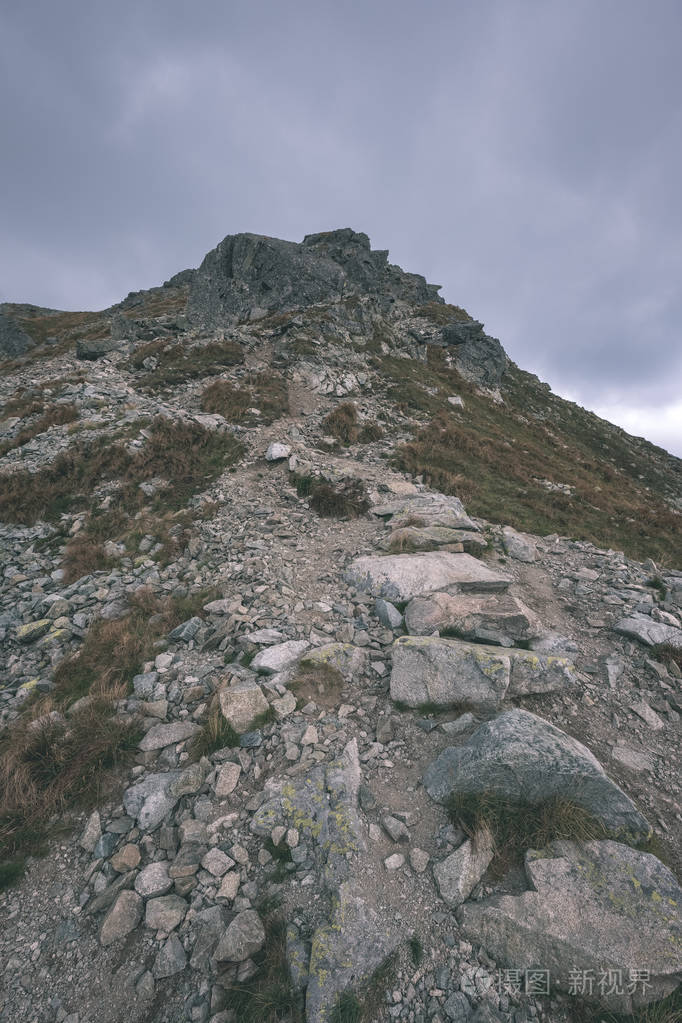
(503,458)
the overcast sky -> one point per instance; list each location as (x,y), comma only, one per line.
(524,154)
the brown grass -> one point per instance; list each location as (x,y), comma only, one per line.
(516,825)
(54,415)
(370,432)
(49,763)
(342,423)
(266,392)
(178,361)
(443,313)
(182,452)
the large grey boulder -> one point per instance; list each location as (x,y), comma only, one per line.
(594,907)
(428,669)
(497,618)
(401,577)
(649,632)
(279,657)
(96,349)
(345,952)
(519,546)
(520,757)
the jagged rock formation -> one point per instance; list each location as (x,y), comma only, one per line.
(301,694)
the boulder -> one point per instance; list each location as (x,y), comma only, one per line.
(400,577)
(345,658)
(96,349)
(280,656)
(241,704)
(520,757)
(122,918)
(345,952)
(427,509)
(519,546)
(163,735)
(277,452)
(428,669)
(497,618)
(595,907)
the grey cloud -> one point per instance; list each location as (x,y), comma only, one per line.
(524,155)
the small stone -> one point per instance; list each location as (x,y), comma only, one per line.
(227,778)
(419,860)
(163,735)
(310,736)
(395,828)
(189,782)
(153,880)
(229,886)
(34,630)
(277,452)
(171,959)
(91,833)
(394,862)
(123,917)
(217,862)
(284,706)
(165,913)
(126,858)
(241,704)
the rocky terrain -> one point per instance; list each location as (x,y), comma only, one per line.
(289,730)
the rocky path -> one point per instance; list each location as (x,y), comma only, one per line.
(365,688)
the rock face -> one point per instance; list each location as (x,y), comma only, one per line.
(595,907)
(445,672)
(249,275)
(96,349)
(13,340)
(401,577)
(518,756)
(479,357)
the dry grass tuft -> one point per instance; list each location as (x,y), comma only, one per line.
(268,997)
(176,361)
(49,762)
(342,423)
(216,733)
(516,826)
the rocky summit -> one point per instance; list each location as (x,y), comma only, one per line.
(341,663)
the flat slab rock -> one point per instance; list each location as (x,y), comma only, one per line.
(428,669)
(496,617)
(431,509)
(400,577)
(518,756)
(649,632)
(596,906)
(346,951)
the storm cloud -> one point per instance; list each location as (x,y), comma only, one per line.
(524,154)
